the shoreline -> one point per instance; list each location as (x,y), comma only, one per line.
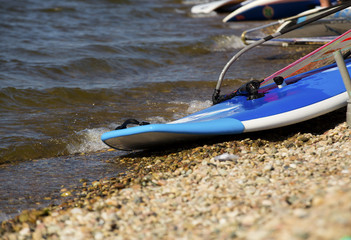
(289,183)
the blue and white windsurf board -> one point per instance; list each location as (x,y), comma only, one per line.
(270,9)
(217,6)
(308,94)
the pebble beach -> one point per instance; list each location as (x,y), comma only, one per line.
(291,183)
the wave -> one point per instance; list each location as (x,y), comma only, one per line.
(194,2)
(62,121)
(87,140)
(225,43)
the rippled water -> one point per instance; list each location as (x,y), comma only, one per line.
(73,69)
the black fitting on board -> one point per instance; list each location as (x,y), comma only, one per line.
(279,80)
(250,90)
(216,96)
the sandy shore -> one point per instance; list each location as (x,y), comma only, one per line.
(293,183)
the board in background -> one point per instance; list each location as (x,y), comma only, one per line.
(221,6)
(319,32)
(270,9)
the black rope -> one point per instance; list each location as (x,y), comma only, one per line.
(131,121)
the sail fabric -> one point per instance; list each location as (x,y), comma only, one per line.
(320,57)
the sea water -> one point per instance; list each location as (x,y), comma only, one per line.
(73,69)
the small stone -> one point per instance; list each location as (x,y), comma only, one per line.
(77,211)
(303,138)
(268,167)
(291,199)
(226,157)
(66,194)
(99,236)
(262,180)
(300,213)
(222,172)
(138,200)
(316,201)
(267,203)
(25,232)
(293,165)
(248,220)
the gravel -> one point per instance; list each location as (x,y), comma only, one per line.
(293,183)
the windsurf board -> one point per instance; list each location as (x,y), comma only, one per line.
(314,87)
(270,9)
(217,6)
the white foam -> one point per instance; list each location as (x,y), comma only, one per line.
(197,105)
(224,43)
(193,106)
(203,15)
(194,2)
(226,157)
(88,140)
(157,119)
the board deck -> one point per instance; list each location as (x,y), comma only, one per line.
(312,90)
(270,9)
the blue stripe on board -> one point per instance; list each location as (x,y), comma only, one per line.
(216,127)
